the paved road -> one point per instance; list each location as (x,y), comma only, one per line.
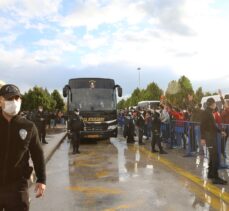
(118,176)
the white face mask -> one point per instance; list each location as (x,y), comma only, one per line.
(12,107)
(77,113)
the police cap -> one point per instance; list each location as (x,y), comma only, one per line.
(9,90)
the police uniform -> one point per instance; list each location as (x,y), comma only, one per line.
(40,121)
(18,141)
(156,136)
(76,125)
(141,124)
(129,128)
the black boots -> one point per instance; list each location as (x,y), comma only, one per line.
(161,151)
(219,181)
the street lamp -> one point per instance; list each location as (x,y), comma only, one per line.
(139,77)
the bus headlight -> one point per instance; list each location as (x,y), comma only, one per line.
(112,127)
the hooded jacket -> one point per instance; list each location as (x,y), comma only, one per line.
(18,141)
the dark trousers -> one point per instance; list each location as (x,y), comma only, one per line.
(42,133)
(213,164)
(14,198)
(140,134)
(75,141)
(156,139)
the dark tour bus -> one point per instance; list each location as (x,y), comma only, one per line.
(97,101)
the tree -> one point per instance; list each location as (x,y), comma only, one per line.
(38,96)
(58,99)
(199,94)
(207,94)
(177,92)
(152,92)
(121,104)
(135,97)
(172,92)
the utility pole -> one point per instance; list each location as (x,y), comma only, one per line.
(139,77)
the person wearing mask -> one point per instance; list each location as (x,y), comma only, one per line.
(40,121)
(19,141)
(76,125)
(209,132)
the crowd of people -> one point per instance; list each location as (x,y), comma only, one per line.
(174,126)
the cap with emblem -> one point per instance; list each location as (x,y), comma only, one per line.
(9,90)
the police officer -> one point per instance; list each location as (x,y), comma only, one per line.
(76,125)
(18,141)
(141,125)
(129,128)
(156,136)
(40,121)
(209,132)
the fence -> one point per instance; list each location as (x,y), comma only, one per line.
(187,135)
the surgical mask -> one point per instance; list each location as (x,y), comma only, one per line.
(77,113)
(12,107)
(40,109)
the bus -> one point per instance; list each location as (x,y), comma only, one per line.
(217,100)
(96,98)
(148,104)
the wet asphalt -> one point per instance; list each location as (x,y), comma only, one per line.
(110,176)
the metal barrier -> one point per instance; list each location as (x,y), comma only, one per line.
(187,135)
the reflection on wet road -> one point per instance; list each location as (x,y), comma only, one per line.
(118,176)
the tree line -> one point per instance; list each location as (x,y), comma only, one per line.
(178,93)
(41,96)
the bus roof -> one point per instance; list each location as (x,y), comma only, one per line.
(215,97)
(149,101)
(102,83)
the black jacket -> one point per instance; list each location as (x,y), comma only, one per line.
(76,123)
(40,119)
(208,127)
(156,123)
(140,121)
(18,140)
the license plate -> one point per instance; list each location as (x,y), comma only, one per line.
(92,136)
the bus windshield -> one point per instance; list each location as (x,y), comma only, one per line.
(93,99)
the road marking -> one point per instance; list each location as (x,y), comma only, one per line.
(200,182)
(102,174)
(95,190)
(134,204)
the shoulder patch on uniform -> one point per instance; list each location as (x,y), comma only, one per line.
(23,134)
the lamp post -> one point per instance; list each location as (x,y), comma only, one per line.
(139,77)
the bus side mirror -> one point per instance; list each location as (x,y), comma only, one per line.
(65,91)
(119,91)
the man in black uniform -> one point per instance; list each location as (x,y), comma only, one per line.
(76,125)
(156,136)
(129,128)
(18,141)
(140,124)
(209,132)
(40,121)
